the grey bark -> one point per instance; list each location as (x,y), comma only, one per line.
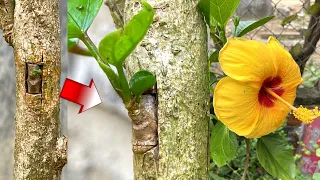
(175,50)
(39,151)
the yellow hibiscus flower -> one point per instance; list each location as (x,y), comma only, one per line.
(260,88)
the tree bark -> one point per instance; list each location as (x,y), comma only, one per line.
(39,151)
(175,50)
(312,36)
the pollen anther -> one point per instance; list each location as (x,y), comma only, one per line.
(306,115)
(303,114)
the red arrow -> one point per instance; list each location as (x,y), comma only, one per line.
(86,96)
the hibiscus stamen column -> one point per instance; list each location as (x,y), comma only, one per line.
(303,114)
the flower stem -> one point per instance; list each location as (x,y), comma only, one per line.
(247,160)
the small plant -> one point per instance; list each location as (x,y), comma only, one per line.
(114,48)
(311,75)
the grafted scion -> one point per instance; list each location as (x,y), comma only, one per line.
(34,78)
(144,124)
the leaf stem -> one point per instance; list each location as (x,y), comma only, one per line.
(216,40)
(247,160)
(92,48)
(124,84)
(222,34)
(79,50)
(233,170)
(95,53)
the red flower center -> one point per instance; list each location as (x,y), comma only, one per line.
(272,83)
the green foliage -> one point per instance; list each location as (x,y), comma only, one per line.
(81,14)
(223,144)
(116,46)
(316,176)
(311,75)
(221,10)
(236,21)
(113,78)
(213,78)
(36,72)
(141,81)
(296,50)
(246,26)
(289,19)
(275,156)
(205,8)
(213,57)
(314,9)
(72,42)
(234,168)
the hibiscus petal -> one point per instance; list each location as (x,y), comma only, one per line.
(236,105)
(272,118)
(247,60)
(287,68)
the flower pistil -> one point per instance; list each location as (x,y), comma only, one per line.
(305,115)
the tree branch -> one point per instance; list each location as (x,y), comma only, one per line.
(116,9)
(312,37)
(247,160)
(6,20)
(37,155)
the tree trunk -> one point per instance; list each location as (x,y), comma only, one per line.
(175,50)
(39,152)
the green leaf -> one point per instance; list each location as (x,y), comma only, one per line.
(221,10)
(275,156)
(113,77)
(289,19)
(205,9)
(296,50)
(214,57)
(316,176)
(314,9)
(141,81)
(318,152)
(246,26)
(215,176)
(116,46)
(72,42)
(213,78)
(81,14)
(308,84)
(223,144)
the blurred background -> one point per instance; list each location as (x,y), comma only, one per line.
(100,138)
